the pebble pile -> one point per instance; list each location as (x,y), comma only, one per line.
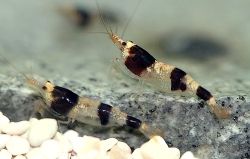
(39,139)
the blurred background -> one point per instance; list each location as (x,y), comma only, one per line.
(209,40)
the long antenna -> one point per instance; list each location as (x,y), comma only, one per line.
(102,19)
(130,18)
(15,67)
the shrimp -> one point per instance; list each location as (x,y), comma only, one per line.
(65,104)
(139,64)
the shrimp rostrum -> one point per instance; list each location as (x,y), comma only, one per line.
(143,66)
(63,103)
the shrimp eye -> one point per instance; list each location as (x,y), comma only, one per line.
(124,43)
(44,87)
(131,41)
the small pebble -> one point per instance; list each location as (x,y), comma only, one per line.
(35,153)
(64,142)
(26,134)
(19,157)
(17,145)
(71,134)
(120,151)
(42,130)
(3,122)
(4,154)
(175,152)
(3,138)
(76,142)
(156,149)
(187,155)
(64,155)
(50,149)
(137,154)
(33,121)
(16,128)
(89,148)
(108,144)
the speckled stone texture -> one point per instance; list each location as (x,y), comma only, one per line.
(36,34)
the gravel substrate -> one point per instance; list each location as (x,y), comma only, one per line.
(39,139)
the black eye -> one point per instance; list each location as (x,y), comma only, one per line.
(131,41)
(124,43)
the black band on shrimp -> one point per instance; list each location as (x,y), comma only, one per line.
(176,80)
(139,60)
(203,93)
(64,100)
(104,113)
(133,122)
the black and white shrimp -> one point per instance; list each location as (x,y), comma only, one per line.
(63,103)
(141,65)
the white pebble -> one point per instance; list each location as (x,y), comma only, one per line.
(42,130)
(73,157)
(64,155)
(16,128)
(64,142)
(76,142)
(175,152)
(3,138)
(50,149)
(89,148)
(120,151)
(17,145)
(108,144)
(19,157)
(71,134)
(33,121)
(91,154)
(4,154)
(26,134)
(137,154)
(3,122)
(35,153)
(187,155)
(156,149)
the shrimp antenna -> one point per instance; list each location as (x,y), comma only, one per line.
(103,19)
(15,67)
(130,18)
